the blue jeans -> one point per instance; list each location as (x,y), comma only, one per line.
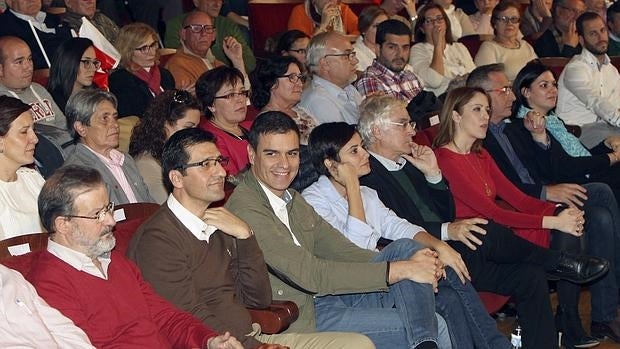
(401,318)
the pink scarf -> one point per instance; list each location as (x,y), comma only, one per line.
(152,79)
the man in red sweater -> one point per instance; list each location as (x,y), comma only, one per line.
(101,291)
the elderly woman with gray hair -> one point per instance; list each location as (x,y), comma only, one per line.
(92,120)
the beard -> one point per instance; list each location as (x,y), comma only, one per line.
(596,50)
(99,248)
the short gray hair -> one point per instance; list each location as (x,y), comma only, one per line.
(82,105)
(374,112)
(316,50)
(479,77)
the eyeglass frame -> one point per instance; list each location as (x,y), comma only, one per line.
(144,49)
(508,19)
(204,28)
(231,95)
(90,63)
(404,124)
(350,55)
(294,78)
(433,20)
(506,90)
(573,11)
(301,51)
(222,160)
(99,216)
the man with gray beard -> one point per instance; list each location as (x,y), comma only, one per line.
(100,290)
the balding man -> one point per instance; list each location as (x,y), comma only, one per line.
(16,68)
(198,33)
(76,9)
(24,16)
(331,97)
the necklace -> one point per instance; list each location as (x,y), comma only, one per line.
(240,129)
(510,45)
(467,155)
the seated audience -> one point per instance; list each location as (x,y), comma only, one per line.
(561,39)
(171,111)
(195,55)
(92,116)
(506,47)
(293,43)
(22,18)
(536,19)
(366,46)
(219,263)
(464,122)
(460,24)
(73,68)
(589,87)
(436,58)
(355,292)
(481,20)
(19,185)
(318,16)
(16,81)
(238,11)
(224,104)
(597,6)
(277,84)
(138,78)
(613,26)
(76,9)
(330,96)
(106,298)
(402,10)
(490,251)
(225,28)
(390,73)
(39,325)
(357,212)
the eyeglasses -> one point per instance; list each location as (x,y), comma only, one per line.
(403,124)
(573,11)
(433,20)
(506,19)
(293,78)
(99,216)
(350,55)
(209,162)
(200,28)
(506,90)
(301,51)
(230,96)
(90,63)
(147,48)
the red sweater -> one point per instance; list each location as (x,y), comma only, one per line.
(470,175)
(121,312)
(231,147)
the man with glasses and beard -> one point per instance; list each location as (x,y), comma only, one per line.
(100,290)
(589,87)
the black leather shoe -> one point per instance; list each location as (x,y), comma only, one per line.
(582,342)
(579,269)
(602,330)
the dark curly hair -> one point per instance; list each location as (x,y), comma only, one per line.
(149,135)
(266,75)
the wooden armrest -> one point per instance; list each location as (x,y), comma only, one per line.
(275,318)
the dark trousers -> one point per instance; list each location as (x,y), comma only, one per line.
(509,265)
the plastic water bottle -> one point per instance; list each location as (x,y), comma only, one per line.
(515,338)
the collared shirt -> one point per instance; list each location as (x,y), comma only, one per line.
(498,131)
(114,164)
(79,260)
(380,220)
(329,103)
(377,78)
(393,166)
(38,21)
(589,92)
(278,205)
(201,230)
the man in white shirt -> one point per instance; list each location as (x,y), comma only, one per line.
(330,96)
(589,87)
(26,320)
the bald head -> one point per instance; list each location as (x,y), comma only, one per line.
(15,63)
(198,32)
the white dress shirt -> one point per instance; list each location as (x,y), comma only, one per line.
(78,260)
(27,321)
(201,230)
(330,103)
(363,53)
(278,205)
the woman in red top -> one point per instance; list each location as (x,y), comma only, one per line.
(476,182)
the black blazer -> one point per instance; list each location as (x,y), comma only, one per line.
(391,194)
(132,93)
(11,25)
(546,46)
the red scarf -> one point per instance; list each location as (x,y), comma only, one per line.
(151,78)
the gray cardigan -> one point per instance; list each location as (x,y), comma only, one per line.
(83,156)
